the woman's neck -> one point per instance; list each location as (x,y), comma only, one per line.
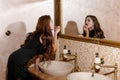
(91,28)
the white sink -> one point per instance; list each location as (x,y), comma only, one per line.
(86,76)
(56,68)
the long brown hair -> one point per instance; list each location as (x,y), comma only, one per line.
(43,28)
(98,32)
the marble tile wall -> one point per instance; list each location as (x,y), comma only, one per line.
(27,14)
(10,43)
(86,54)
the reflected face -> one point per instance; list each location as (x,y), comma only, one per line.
(89,22)
(51,25)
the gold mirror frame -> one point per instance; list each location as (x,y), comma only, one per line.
(58,18)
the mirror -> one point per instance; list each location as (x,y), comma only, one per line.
(70,12)
(107,13)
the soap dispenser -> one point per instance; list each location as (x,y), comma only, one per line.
(97,61)
(65,51)
(102,60)
(69,51)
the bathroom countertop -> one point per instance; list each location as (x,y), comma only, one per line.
(40,75)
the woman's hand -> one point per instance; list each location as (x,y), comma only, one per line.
(57,30)
(86,29)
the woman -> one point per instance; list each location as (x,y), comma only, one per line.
(41,41)
(92,28)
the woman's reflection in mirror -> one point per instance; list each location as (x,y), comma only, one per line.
(92,28)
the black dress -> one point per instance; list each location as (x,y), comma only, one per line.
(17,69)
(92,34)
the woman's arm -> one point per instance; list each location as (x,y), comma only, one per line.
(36,71)
(37,61)
(55,44)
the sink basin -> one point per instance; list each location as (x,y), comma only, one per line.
(86,76)
(56,68)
